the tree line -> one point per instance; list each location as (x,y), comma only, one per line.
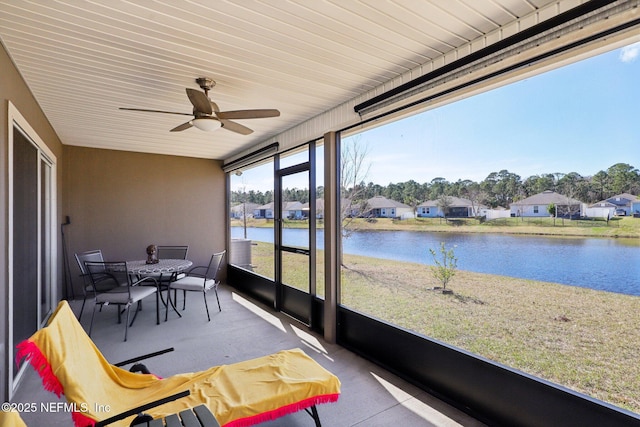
(497,189)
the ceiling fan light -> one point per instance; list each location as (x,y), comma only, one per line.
(206,124)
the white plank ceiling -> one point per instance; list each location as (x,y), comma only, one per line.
(84,59)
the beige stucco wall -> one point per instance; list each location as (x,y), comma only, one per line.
(117,201)
(14,89)
(120,202)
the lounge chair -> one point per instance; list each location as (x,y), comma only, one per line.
(200,416)
(11,419)
(238,395)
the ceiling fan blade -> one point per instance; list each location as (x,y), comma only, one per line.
(183,126)
(155,111)
(248,114)
(236,127)
(200,102)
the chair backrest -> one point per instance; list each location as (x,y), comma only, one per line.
(95,255)
(106,276)
(172,252)
(70,364)
(214,265)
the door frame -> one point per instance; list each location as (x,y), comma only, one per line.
(288,300)
(44,229)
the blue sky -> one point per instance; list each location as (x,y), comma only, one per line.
(581,118)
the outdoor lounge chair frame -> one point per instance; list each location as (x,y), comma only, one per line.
(204,415)
(202,418)
(50,360)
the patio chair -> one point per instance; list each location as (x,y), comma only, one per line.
(199,279)
(172,252)
(87,288)
(238,394)
(200,416)
(112,284)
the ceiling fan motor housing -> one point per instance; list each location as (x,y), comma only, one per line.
(205,83)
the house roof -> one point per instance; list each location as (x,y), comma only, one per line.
(454,202)
(546,198)
(240,207)
(286,206)
(603,204)
(292,206)
(84,60)
(380,202)
(267,206)
(623,199)
(319,205)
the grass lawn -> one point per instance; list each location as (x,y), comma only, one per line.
(583,339)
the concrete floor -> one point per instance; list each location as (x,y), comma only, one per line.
(244,329)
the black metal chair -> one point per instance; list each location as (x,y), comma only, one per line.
(199,416)
(169,252)
(172,252)
(112,284)
(87,287)
(199,279)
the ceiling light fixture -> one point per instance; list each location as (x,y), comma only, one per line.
(206,123)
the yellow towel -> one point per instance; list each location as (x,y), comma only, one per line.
(11,419)
(239,394)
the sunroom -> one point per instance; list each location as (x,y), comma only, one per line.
(368,94)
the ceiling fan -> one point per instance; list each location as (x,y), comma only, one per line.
(206,114)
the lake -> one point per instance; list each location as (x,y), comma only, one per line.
(596,263)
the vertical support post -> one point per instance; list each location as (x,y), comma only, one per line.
(312,223)
(277,229)
(331,234)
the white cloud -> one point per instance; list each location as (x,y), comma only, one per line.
(630,53)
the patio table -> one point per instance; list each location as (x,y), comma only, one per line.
(167,267)
(163,266)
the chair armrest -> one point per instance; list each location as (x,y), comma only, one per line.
(99,281)
(143,357)
(142,408)
(190,272)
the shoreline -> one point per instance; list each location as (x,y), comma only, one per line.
(626,228)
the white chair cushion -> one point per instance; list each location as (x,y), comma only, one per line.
(139,292)
(120,295)
(191,283)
